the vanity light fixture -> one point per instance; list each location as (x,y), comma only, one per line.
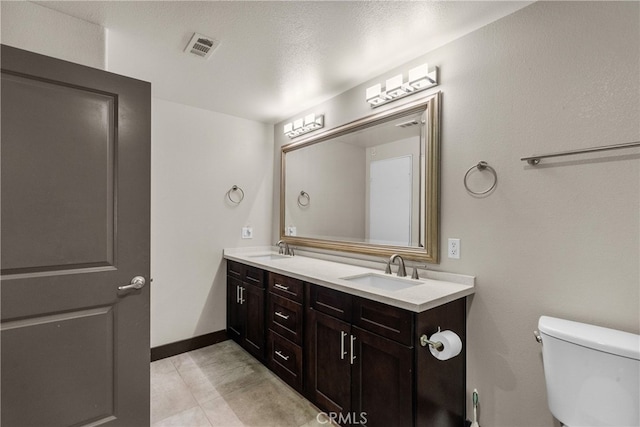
(394,87)
(420,78)
(375,96)
(304,125)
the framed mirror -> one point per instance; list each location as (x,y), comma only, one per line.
(370,186)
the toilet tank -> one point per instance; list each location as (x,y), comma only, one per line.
(592,373)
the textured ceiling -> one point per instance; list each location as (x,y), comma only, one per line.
(275,58)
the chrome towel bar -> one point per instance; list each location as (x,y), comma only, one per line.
(534,160)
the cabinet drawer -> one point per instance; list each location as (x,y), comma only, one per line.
(285,318)
(385,320)
(234,269)
(331,302)
(285,359)
(286,287)
(253,276)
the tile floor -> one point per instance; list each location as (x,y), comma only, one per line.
(222,385)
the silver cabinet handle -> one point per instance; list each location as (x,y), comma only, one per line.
(242,300)
(137,282)
(237,294)
(279,286)
(283,316)
(342,352)
(353,356)
(282,355)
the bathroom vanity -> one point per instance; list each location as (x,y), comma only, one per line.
(348,337)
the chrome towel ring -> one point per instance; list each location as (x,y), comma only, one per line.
(240,197)
(481,166)
(301,199)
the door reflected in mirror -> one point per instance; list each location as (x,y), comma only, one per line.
(369,186)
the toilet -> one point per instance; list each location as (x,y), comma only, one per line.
(592,373)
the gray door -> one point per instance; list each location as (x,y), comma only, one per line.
(75,190)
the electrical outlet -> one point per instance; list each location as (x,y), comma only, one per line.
(247,233)
(454,248)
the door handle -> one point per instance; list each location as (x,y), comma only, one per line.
(137,282)
(342,352)
(353,357)
(242,300)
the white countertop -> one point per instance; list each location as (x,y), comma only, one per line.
(438,288)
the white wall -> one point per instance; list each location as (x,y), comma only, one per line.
(28,26)
(196,157)
(335,208)
(561,239)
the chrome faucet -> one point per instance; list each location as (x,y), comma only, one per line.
(402,272)
(283,248)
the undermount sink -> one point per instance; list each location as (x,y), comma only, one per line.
(381,281)
(268,257)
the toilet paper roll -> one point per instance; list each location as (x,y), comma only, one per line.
(452,345)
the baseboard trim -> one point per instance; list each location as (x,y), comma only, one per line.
(183,346)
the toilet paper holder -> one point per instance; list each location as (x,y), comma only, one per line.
(424,341)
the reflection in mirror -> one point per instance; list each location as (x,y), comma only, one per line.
(365,185)
(368,187)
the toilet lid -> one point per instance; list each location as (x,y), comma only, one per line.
(596,337)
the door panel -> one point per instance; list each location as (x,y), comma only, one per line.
(234,319)
(56,214)
(254,339)
(382,361)
(75,189)
(331,386)
(390,189)
(77,367)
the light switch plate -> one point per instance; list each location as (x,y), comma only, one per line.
(247,233)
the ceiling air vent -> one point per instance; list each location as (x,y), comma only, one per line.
(202,46)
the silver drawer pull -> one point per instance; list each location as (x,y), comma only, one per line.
(279,286)
(342,352)
(282,355)
(284,316)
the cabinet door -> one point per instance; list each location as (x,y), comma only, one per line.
(382,383)
(330,376)
(253,306)
(235,318)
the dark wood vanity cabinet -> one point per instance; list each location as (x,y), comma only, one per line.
(351,356)
(285,320)
(245,307)
(352,371)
